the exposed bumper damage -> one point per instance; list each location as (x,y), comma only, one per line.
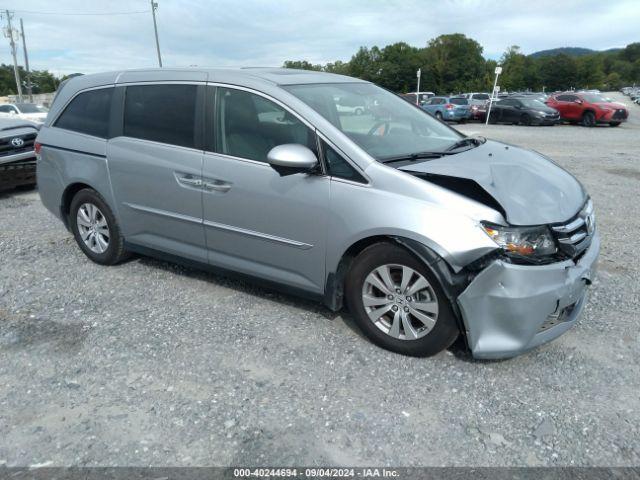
(508,309)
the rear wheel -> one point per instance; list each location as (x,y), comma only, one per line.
(359,111)
(398,302)
(589,119)
(614,124)
(95,228)
(439,116)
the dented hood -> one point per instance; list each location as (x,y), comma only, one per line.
(531,189)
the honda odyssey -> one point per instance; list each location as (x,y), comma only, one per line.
(425,234)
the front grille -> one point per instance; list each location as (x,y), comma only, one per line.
(7,148)
(620,114)
(575,236)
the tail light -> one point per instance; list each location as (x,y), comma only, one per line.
(449,106)
(37,146)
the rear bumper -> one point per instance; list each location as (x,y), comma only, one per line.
(456,114)
(509,309)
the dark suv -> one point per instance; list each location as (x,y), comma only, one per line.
(525,111)
(17,157)
(589,109)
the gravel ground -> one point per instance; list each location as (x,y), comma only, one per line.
(148,363)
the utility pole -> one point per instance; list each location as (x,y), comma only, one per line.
(154,7)
(418,74)
(9,34)
(26,62)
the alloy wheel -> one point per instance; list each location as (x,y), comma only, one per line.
(93,228)
(400,301)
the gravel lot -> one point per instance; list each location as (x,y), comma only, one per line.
(149,363)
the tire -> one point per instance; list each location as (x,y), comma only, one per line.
(525,120)
(359,111)
(83,224)
(588,119)
(614,124)
(439,116)
(411,336)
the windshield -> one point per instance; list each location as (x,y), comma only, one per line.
(480,96)
(384,125)
(531,103)
(595,98)
(459,101)
(31,108)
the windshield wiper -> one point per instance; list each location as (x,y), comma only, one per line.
(476,141)
(415,156)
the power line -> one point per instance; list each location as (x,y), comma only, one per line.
(31,12)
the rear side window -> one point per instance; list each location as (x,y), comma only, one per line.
(88,113)
(161,113)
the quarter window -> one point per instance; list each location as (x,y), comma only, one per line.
(249,125)
(88,113)
(161,113)
(337,166)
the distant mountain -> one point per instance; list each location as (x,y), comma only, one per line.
(571,51)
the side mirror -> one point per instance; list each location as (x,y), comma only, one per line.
(12,112)
(291,158)
(579,102)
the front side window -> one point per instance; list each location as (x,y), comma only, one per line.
(88,113)
(249,125)
(387,127)
(161,113)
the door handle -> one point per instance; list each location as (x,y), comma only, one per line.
(216,185)
(190,181)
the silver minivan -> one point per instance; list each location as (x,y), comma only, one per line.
(424,233)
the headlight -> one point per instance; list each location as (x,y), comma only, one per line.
(530,242)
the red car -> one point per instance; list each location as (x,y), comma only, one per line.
(588,109)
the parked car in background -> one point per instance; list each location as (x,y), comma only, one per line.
(425,233)
(589,109)
(523,111)
(455,109)
(476,98)
(17,156)
(350,104)
(24,111)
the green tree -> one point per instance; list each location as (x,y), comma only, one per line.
(301,65)
(453,63)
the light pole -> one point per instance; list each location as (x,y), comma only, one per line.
(26,62)
(154,7)
(418,74)
(498,71)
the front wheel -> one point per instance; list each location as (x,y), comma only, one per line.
(525,119)
(589,119)
(95,228)
(398,302)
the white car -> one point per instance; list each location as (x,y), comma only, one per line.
(25,111)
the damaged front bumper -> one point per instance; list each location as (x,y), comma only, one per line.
(508,309)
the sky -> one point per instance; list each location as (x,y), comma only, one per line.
(266,33)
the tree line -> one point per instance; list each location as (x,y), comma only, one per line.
(42,81)
(454,63)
